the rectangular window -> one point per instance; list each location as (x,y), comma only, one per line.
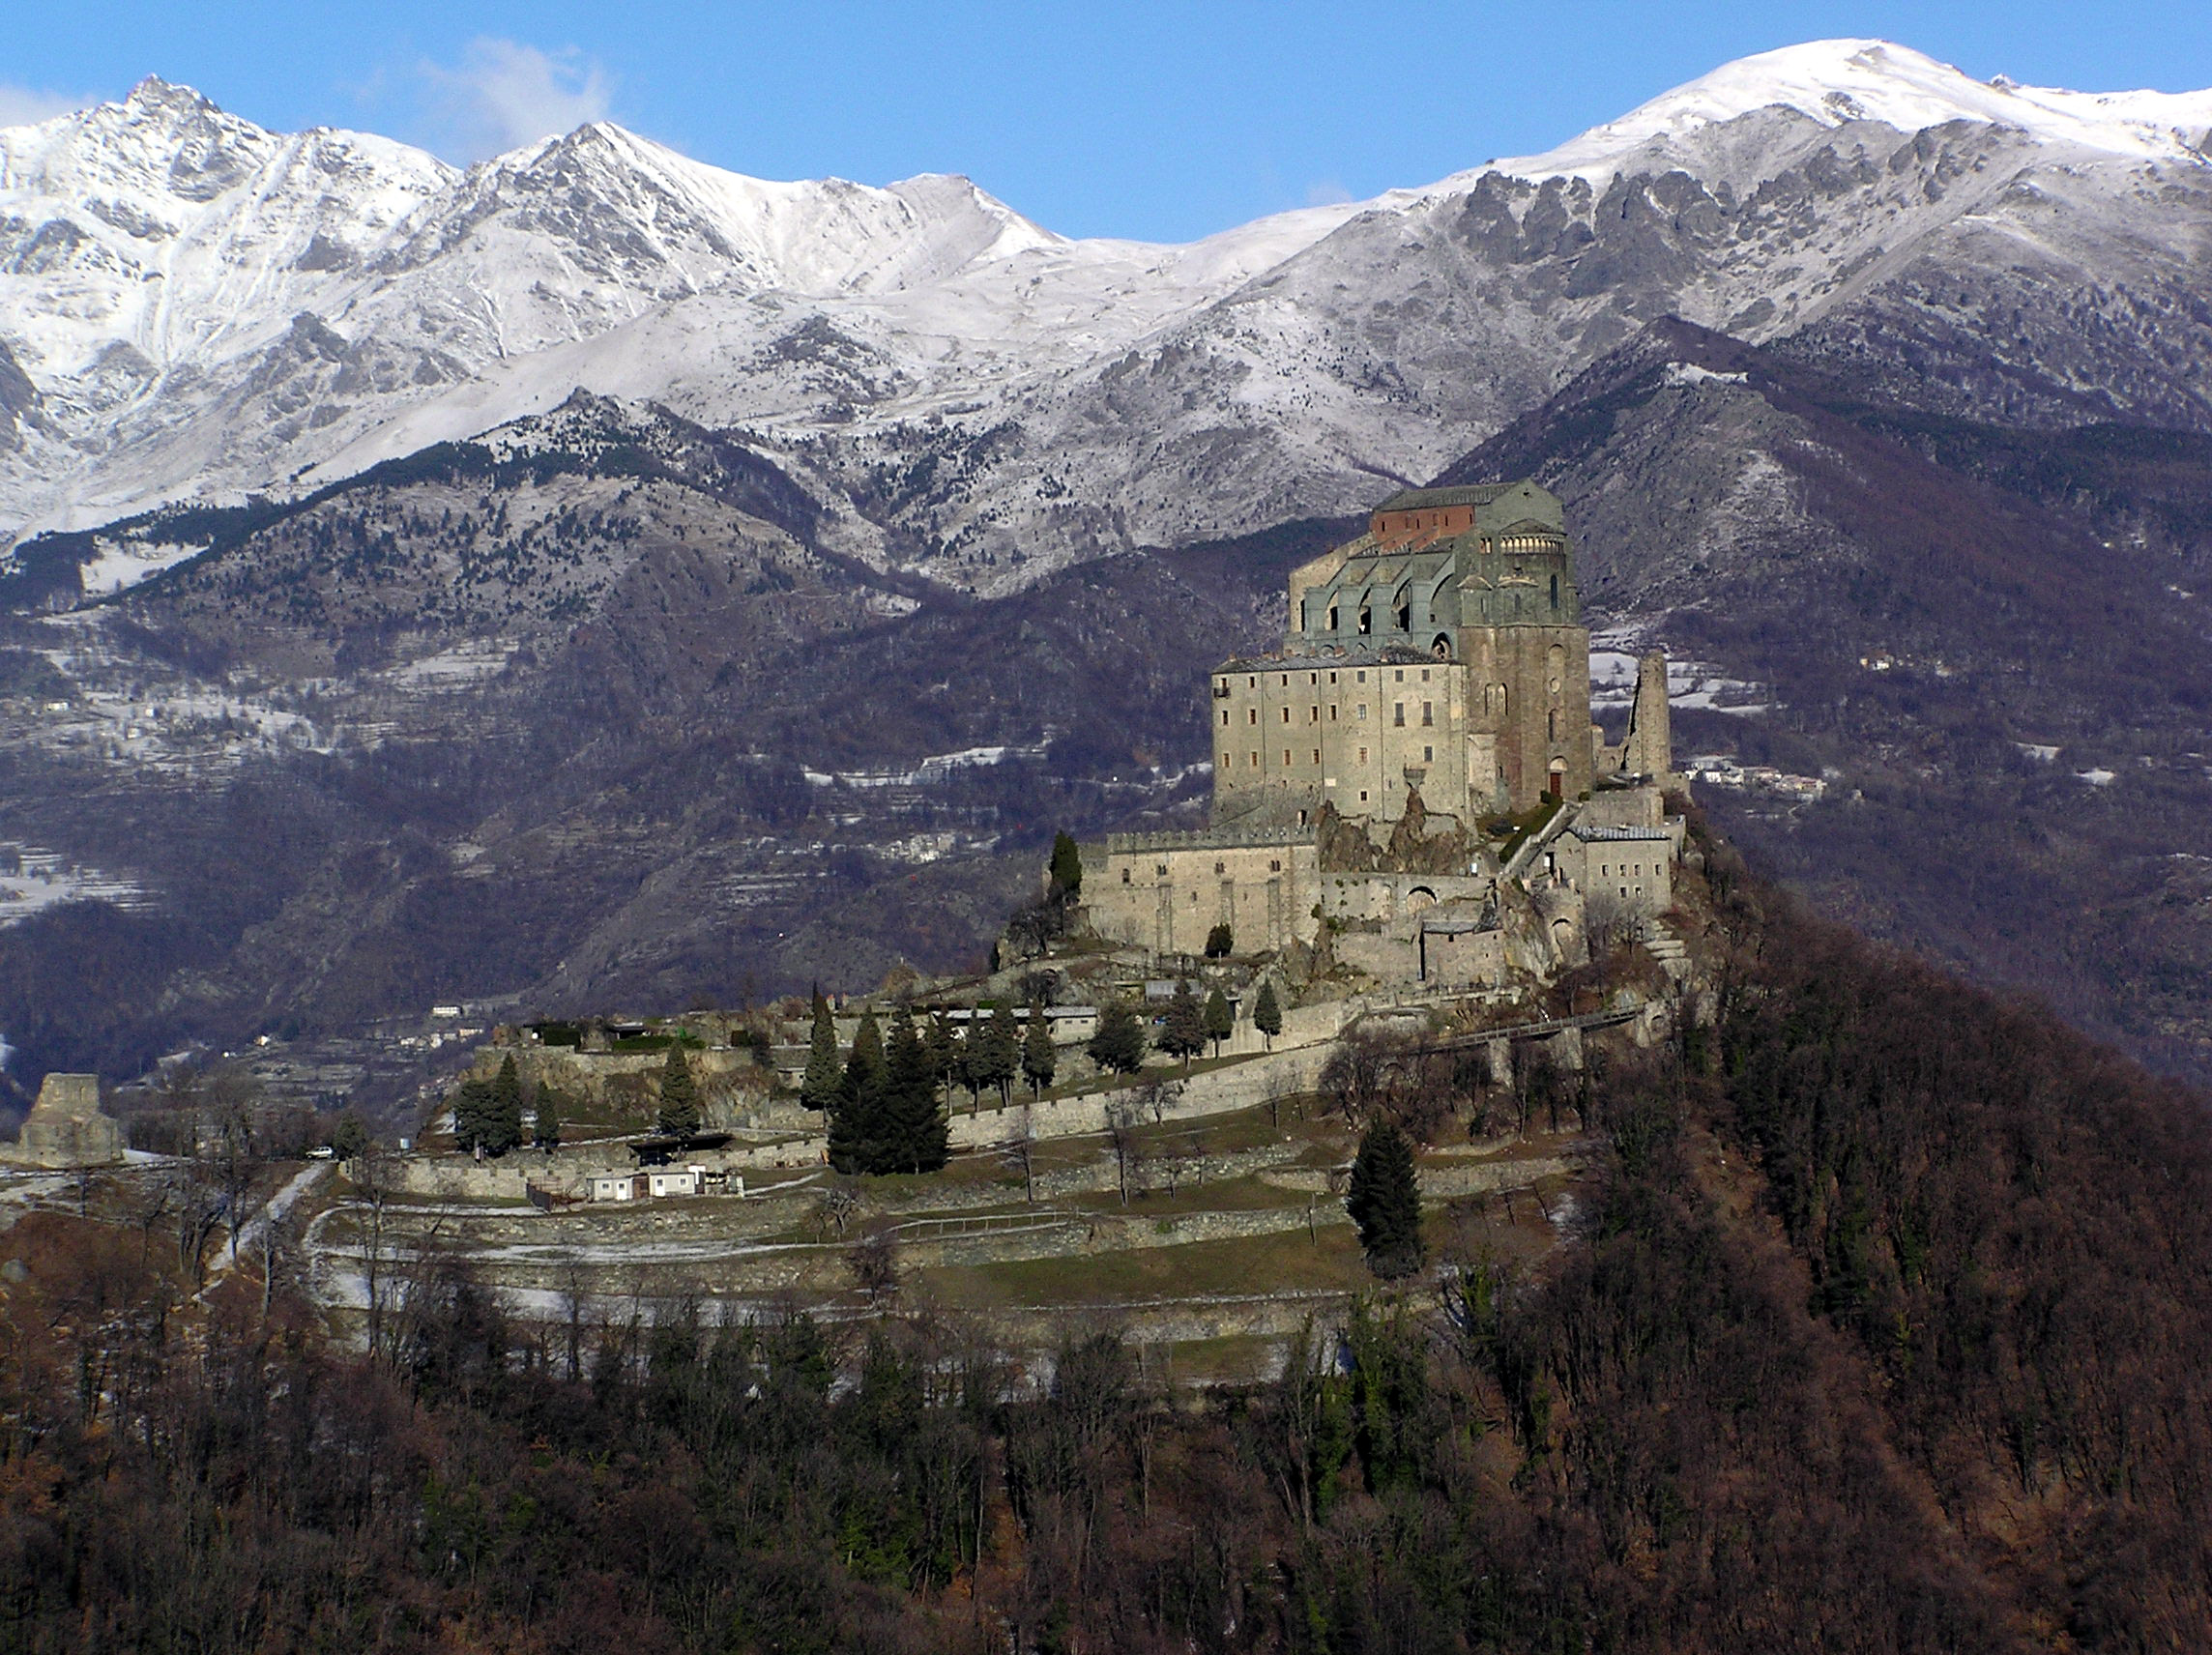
(1363,796)
(1401,675)
(1286,758)
(1285,715)
(1286,680)
(1317,755)
(1362,678)
(1363,760)
(1313,678)
(1332,712)
(1313,716)
(1225,715)
(1251,684)
(1333,677)
(1276,868)
(1252,761)
(1428,755)
(1252,715)
(1398,716)
(1363,710)
(1428,712)
(1424,675)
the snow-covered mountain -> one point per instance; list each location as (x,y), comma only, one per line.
(192,307)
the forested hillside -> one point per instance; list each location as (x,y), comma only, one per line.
(1881,1330)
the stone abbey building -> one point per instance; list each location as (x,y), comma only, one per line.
(1435,669)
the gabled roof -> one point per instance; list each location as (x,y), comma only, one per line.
(1426,499)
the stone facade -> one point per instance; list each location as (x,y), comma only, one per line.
(67,1128)
(1439,655)
(1441,650)
(1165,891)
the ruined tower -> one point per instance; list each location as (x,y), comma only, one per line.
(1649,749)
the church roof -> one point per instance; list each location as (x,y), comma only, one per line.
(1425,499)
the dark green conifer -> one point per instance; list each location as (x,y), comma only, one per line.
(818,1088)
(1220,1021)
(914,1137)
(855,1120)
(1183,1035)
(679,1116)
(1268,1013)
(546,1134)
(1385,1201)
(503,1117)
(1038,1060)
(1001,1052)
(1119,1044)
(1066,865)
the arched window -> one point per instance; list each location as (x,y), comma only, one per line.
(1554,594)
(1404,603)
(1441,646)
(1332,621)
(1366,620)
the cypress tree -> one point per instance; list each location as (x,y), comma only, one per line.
(471,1113)
(856,1123)
(1002,1051)
(547,1133)
(679,1098)
(503,1123)
(943,1048)
(1183,1033)
(818,1088)
(914,1136)
(1268,1013)
(1220,1021)
(1385,1201)
(1120,1041)
(1038,1060)
(1066,865)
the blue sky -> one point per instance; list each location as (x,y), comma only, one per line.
(1143,119)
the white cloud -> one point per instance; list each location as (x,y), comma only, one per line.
(20,106)
(504,95)
(1327,193)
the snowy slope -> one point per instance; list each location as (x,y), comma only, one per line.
(191,307)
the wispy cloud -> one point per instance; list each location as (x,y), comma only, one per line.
(503,94)
(21,106)
(1327,193)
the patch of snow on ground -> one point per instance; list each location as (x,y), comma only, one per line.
(118,565)
(1689,683)
(32,879)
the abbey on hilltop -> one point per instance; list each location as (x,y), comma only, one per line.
(1429,711)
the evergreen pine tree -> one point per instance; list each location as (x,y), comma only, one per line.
(855,1120)
(968,1057)
(679,1098)
(944,1047)
(1183,1035)
(547,1132)
(1066,865)
(471,1113)
(1002,1051)
(1038,1060)
(818,1088)
(1385,1201)
(1220,1021)
(503,1123)
(1268,1013)
(914,1136)
(1119,1044)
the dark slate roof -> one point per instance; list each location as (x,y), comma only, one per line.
(1390,654)
(1424,499)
